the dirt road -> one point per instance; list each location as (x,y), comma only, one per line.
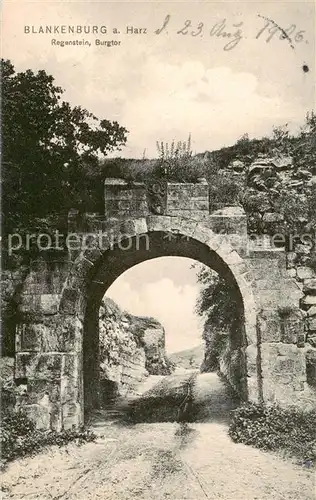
(159,461)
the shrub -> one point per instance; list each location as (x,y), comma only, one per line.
(19,436)
(271,427)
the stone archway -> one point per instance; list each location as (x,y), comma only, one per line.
(129,243)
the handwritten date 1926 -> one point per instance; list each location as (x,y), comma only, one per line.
(233,34)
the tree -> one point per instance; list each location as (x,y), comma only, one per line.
(48,145)
(219,305)
(305,147)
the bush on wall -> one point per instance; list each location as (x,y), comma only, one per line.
(19,437)
(271,427)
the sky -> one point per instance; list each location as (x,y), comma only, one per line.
(166,289)
(169,85)
(164,87)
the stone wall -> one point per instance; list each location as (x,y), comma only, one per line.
(51,320)
(188,200)
(122,199)
(131,348)
(301,265)
(287,359)
(285,356)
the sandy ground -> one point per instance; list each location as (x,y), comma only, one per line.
(159,461)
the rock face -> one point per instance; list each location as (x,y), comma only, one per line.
(131,348)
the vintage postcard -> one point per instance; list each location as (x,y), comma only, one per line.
(158,285)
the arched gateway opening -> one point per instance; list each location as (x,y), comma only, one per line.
(136,241)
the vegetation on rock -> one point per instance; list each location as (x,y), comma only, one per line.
(19,437)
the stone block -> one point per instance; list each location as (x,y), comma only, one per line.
(183,225)
(57,334)
(40,415)
(283,373)
(251,357)
(311,367)
(311,323)
(291,272)
(30,303)
(201,234)
(269,325)
(49,303)
(242,269)
(133,227)
(274,391)
(69,390)
(311,339)
(267,267)
(72,364)
(282,360)
(29,337)
(44,391)
(267,298)
(38,365)
(92,254)
(292,329)
(308,301)
(72,415)
(310,286)
(158,223)
(291,258)
(253,389)
(72,302)
(305,272)
(272,217)
(311,311)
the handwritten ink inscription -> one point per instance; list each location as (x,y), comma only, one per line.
(232,34)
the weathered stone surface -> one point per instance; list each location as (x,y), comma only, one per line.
(45,366)
(262,278)
(158,223)
(311,311)
(311,339)
(41,415)
(309,300)
(311,366)
(269,325)
(72,301)
(305,272)
(310,286)
(72,415)
(312,323)
(130,347)
(49,303)
(133,227)
(202,234)
(291,273)
(291,258)
(272,217)
(267,298)
(57,334)
(237,165)
(283,372)
(292,328)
